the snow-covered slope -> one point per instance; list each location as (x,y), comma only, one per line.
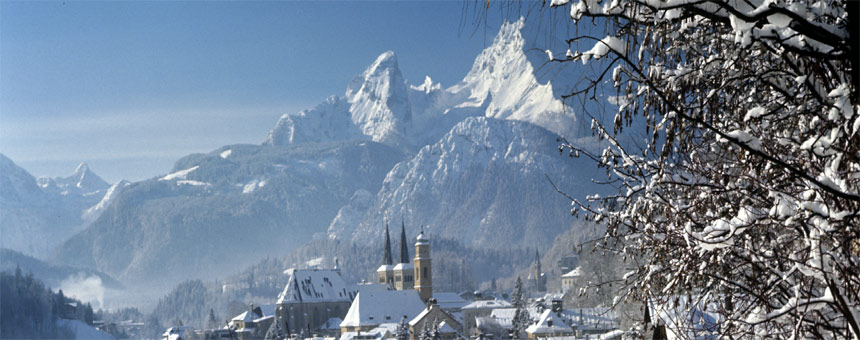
(37,215)
(83,331)
(503,80)
(484,183)
(378,105)
(215,213)
(111,193)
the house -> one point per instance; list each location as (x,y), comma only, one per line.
(312,297)
(681,318)
(251,324)
(569,279)
(450,302)
(591,321)
(550,324)
(488,328)
(376,304)
(568,262)
(383,331)
(176,333)
(435,315)
(481,308)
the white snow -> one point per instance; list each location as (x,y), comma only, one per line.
(181,174)
(549,323)
(93,212)
(375,304)
(226,153)
(253,185)
(314,285)
(192,182)
(603,47)
(82,330)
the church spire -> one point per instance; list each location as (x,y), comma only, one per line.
(387,259)
(404,249)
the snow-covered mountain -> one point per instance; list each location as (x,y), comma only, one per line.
(470,161)
(82,182)
(485,183)
(378,104)
(217,212)
(36,215)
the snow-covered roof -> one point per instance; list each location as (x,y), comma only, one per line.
(549,323)
(699,320)
(314,285)
(597,318)
(331,324)
(389,328)
(268,309)
(445,328)
(385,268)
(375,305)
(450,300)
(259,320)
(573,273)
(487,304)
(378,332)
(420,316)
(246,316)
(402,266)
(422,239)
(506,315)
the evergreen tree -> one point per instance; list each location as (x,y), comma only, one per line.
(436,333)
(402,330)
(212,321)
(426,332)
(275,332)
(521,316)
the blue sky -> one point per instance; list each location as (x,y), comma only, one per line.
(129,87)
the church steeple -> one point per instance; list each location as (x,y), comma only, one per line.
(423,267)
(404,249)
(387,259)
(540,280)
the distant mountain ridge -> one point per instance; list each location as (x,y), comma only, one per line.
(36,215)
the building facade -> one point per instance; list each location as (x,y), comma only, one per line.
(312,297)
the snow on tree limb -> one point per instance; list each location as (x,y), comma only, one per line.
(746,191)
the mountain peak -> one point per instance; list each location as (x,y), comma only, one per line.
(503,79)
(82,169)
(387,59)
(84,178)
(379,100)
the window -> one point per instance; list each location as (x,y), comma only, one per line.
(425,272)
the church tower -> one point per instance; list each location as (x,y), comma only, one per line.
(423,268)
(539,277)
(385,273)
(403,271)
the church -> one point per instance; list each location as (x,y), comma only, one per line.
(417,275)
(403,292)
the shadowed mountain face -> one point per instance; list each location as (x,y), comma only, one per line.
(486,183)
